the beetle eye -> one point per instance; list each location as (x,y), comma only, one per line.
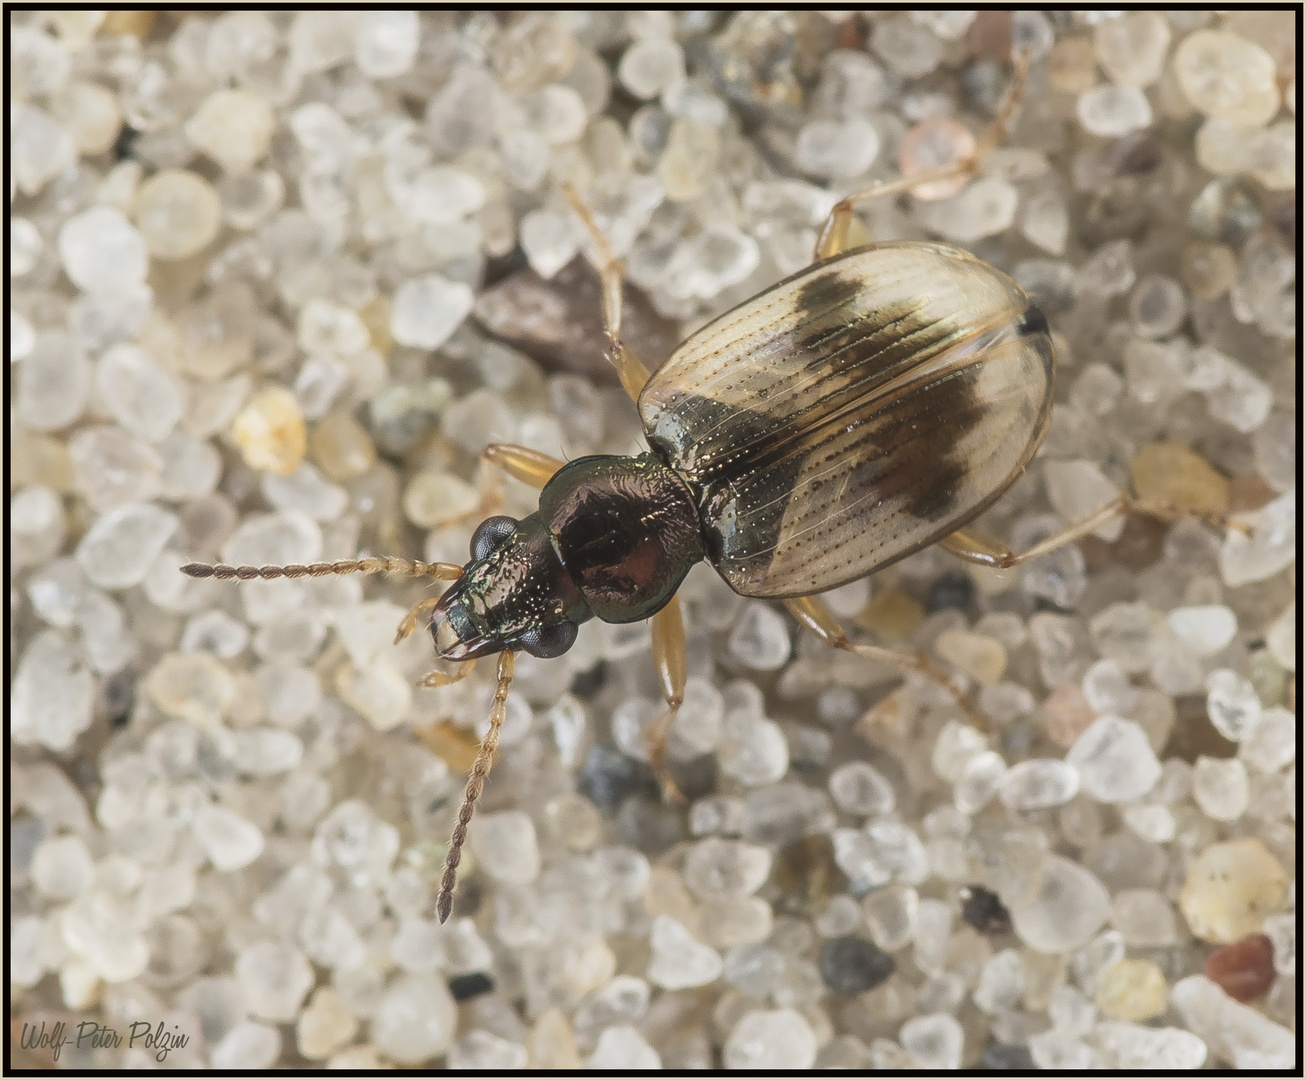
(490,533)
(546,642)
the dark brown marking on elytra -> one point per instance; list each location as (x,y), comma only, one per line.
(862,447)
(847,361)
(909,452)
(923,435)
(746,486)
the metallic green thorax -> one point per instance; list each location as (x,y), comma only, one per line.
(627,531)
(613,539)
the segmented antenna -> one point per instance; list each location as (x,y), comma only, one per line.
(387,565)
(475,782)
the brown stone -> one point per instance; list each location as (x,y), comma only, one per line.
(1140,542)
(1193,734)
(1243,970)
(559,322)
(851,33)
(989,36)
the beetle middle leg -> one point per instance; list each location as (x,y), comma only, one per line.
(812,613)
(833,237)
(631,370)
(669,660)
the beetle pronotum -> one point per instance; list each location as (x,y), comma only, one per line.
(866,407)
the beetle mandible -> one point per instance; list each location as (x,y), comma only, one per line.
(861,409)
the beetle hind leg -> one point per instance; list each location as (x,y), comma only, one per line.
(833,237)
(630,368)
(816,617)
(978,549)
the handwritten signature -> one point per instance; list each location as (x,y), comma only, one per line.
(96,1036)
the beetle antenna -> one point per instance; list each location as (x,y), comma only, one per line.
(475,782)
(387,565)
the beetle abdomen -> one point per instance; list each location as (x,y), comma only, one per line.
(854,413)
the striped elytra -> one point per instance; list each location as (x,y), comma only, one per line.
(852,414)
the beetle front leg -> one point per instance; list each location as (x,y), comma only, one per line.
(833,237)
(812,613)
(631,370)
(669,660)
(522,463)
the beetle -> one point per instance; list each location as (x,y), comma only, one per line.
(861,409)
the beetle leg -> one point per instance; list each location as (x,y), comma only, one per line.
(833,237)
(630,368)
(669,659)
(812,613)
(978,549)
(522,463)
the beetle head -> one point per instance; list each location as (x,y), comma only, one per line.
(514,594)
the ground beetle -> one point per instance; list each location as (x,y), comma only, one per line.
(856,412)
